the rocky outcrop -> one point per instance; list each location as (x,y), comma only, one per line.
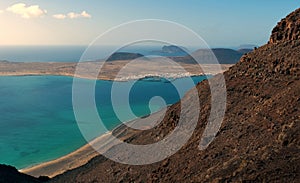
(287,29)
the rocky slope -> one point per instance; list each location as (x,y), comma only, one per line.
(259,140)
(287,29)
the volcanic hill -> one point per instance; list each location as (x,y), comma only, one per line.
(259,140)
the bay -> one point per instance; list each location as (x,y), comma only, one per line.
(37,121)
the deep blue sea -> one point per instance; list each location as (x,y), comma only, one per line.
(37,122)
(41,53)
(70,53)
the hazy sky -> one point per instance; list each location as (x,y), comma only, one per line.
(220,22)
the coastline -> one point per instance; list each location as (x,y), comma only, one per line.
(84,154)
(108,79)
(70,161)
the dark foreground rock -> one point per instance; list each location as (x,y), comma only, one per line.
(10,174)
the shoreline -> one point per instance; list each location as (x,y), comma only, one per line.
(85,153)
(106,79)
(69,161)
(112,71)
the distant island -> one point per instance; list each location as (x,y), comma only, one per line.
(171,50)
(223,55)
(140,68)
(123,56)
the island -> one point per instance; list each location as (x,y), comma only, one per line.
(118,70)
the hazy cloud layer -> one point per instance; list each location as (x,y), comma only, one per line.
(25,11)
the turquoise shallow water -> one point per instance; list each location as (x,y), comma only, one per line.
(37,122)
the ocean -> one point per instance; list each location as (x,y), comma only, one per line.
(41,53)
(71,53)
(37,122)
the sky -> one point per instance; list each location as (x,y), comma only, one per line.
(221,23)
